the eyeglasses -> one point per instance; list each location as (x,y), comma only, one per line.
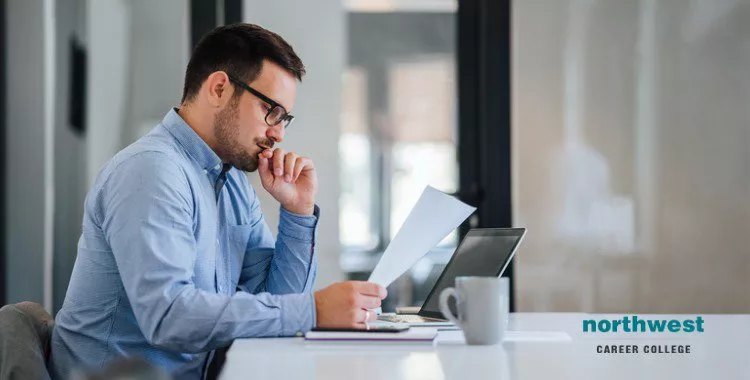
(276,114)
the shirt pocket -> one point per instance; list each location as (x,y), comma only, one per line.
(239,237)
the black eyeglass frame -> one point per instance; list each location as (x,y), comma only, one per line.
(287,118)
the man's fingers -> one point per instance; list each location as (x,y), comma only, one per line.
(372,316)
(359,325)
(361,316)
(302,164)
(367,302)
(289,165)
(264,171)
(370,289)
(278,162)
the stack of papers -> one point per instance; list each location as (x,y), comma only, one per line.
(412,335)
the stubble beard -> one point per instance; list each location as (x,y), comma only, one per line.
(229,148)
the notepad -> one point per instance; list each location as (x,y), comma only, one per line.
(413,335)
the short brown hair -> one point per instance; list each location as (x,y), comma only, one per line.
(238,49)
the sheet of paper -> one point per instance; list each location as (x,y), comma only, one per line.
(431,219)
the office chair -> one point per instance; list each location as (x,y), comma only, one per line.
(25,332)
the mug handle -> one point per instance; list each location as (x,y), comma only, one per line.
(444,295)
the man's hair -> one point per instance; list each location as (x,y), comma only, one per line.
(239,50)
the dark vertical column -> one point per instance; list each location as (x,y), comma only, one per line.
(202,19)
(467,58)
(232,11)
(495,120)
(3,210)
(484,69)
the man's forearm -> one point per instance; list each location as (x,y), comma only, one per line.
(198,321)
(294,264)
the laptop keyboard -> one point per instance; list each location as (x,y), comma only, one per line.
(395,318)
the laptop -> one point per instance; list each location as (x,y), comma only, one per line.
(482,252)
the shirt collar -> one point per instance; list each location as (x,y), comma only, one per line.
(193,144)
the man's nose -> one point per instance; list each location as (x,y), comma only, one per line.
(276,133)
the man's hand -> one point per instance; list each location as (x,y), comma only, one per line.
(345,304)
(290,179)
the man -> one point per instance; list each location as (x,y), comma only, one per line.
(176,259)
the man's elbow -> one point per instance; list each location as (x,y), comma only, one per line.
(176,342)
(175,337)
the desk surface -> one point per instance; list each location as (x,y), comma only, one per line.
(722,351)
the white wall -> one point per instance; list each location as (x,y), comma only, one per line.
(28,151)
(138,51)
(158,55)
(70,150)
(316,30)
(109,25)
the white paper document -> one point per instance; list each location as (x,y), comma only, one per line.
(431,219)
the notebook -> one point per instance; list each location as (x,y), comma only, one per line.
(412,335)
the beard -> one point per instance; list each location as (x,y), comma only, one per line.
(229,148)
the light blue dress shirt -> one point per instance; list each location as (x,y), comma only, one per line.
(168,272)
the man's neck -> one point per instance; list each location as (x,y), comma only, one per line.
(199,124)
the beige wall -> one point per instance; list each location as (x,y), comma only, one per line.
(632,155)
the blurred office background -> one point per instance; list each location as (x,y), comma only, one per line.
(616,131)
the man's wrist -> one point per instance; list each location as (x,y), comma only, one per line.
(300,227)
(301,210)
(298,313)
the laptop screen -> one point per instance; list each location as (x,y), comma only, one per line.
(482,252)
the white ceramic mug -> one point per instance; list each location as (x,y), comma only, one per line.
(478,301)
(505,301)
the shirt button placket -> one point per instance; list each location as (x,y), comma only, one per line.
(219,278)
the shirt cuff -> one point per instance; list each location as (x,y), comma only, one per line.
(301,227)
(297,314)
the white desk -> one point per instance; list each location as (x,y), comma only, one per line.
(721,352)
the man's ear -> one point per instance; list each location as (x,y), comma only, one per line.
(218,89)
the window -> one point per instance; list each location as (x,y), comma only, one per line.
(355,223)
(398,121)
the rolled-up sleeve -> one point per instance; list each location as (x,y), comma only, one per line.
(148,225)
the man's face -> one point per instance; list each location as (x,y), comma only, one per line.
(240,128)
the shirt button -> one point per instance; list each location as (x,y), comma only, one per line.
(204,171)
(217,167)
